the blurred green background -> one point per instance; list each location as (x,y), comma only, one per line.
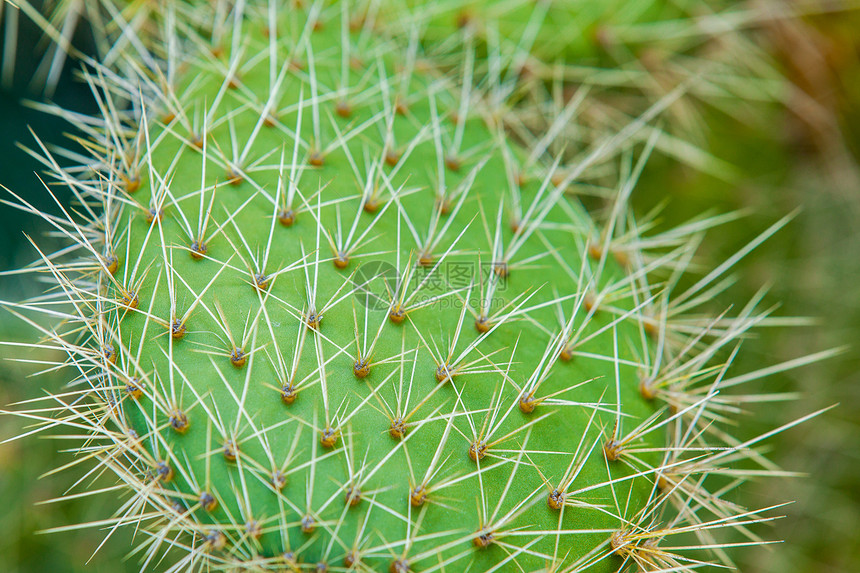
(804,156)
(22,549)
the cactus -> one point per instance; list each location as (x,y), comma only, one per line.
(321,311)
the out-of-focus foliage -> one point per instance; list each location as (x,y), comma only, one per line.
(21,462)
(807,158)
(22,550)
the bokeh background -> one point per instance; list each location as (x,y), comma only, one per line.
(803,155)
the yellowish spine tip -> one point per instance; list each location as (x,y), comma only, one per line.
(566,354)
(153,215)
(651,327)
(230,450)
(522,178)
(342,109)
(400,106)
(134,388)
(418,496)
(341,261)
(163,471)
(527,403)
(289,393)
(555,499)
(371,205)
(443,373)
(483,539)
(397,428)
(621,257)
(109,353)
(179,421)
(130,300)
(501,269)
(286,217)
(130,183)
(234,178)
(425,259)
(477,450)
(361,368)
(308,524)
(391,157)
(356,23)
(111,262)
(350,560)
(254,529)
(177,329)
(329,437)
(463,19)
(613,450)
(133,438)
(238,358)
(290,560)
(261,282)
(215,541)
(647,389)
(208,501)
(483,324)
(198,250)
(312,321)
(619,543)
(397,315)
(279,480)
(352,496)
(452,163)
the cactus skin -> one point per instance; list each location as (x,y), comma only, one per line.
(228,374)
(223,406)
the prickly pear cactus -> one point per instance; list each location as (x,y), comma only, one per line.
(321,312)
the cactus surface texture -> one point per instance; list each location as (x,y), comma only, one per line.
(328,303)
